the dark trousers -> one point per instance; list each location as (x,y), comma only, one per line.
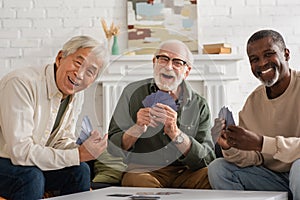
(30,182)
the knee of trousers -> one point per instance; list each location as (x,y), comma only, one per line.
(83,170)
(216,167)
(140,180)
(296,165)
(32,180)
(295,173)
(28,183)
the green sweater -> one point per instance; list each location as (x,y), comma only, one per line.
(155,148)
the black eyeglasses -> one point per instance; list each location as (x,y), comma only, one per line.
(163,61)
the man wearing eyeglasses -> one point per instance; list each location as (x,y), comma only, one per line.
(163,145)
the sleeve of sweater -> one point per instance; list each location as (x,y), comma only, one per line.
(282,148)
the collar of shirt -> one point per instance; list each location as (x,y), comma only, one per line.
(52,88)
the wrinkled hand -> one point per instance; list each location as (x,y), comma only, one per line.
(166,115)
(219,125)
(144,118)
(243,139)
(93,147)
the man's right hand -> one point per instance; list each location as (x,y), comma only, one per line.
(216,130)
(93,147)
(218,135)
(144,118)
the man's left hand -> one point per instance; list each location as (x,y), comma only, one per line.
(243,139)
(167,116)
(93,147)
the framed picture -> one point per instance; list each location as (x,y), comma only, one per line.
(153,21)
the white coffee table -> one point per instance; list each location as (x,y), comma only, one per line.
(174,194)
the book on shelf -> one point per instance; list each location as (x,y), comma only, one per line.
(217,50)
(216,45)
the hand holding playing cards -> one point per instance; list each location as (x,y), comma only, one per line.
(216,130)
(159,97)
(224,119)
(167,116)
(217,133)
(92,147)
(86,129)
(159,107)
(243,139)
(226,114)
(144,118)
(160,113)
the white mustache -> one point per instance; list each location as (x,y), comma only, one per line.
(167,72)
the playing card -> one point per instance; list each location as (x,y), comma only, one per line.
(166,98)
(159,97)
(229,118)
(149,100)
(226,114)
(222,113)
(86,129)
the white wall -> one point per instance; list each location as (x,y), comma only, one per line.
(234,21)
(32,31)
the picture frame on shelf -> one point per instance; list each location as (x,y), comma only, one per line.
(152,21)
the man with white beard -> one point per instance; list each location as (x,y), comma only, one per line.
(262,153)
(163,145)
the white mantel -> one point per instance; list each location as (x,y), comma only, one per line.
(210,77)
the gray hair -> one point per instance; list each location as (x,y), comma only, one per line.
(99,48)
(188,54)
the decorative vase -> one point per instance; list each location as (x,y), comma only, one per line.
(115,46)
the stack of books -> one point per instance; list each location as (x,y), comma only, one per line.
(217,48)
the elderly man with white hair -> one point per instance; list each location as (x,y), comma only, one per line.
(161,127)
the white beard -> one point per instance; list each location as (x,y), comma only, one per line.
(270,83)
(165,85)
